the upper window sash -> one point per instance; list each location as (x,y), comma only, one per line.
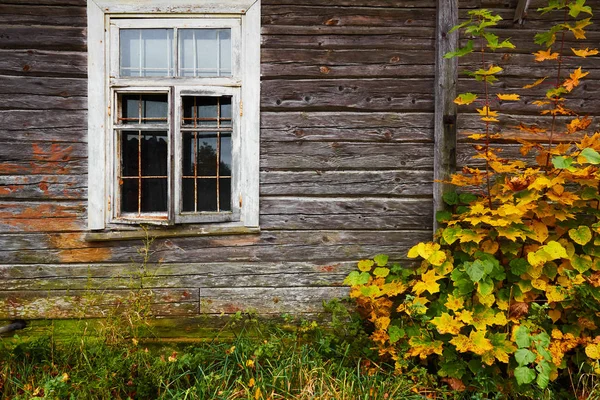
(174,48)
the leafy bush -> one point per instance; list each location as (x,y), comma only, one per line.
(507,296)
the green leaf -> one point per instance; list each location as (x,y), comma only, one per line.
(460,52)
(356,278)
(459,26)
(381,272)
(524,375)
(544,369)
(381,260)
(443,216)
(522,337)
(485,286)
(395,333)
(578,7)
(462,283)
(466,198)
(370,291)
(524,357)
(476,270)
(581,264)
(561,162)
(518,266)
(555,93)
(450,234)
(591,155)
(581,235)
(450,198)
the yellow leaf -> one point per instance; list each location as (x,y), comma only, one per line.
(465,316)
(509,97)
(585,52)
(365,265)
(577,30)
(477,136)
(462,343)
(555,293)
(454,303)
(437,258)
(479,342)
(490,246)
(545,55)
(447,324)
(251,382)
(257,394)
(465,98)
(592,351)
(539,284)
(424,347)
(382,323)
(486,112)
(490,119)
(554,315)
(573,79)
(428,283)
(534,84)
(539,231)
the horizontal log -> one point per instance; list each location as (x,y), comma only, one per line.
(346,126)
(43,86)
(94,304)
(41,216)
(311,70)
(39,187)
(353,3)
(397,40)
(40,102)
(313,246)
(39,158)
(344,16)
(44,135)
(43,37)
(37,14)
(79,3)
(344,213)
(268,300)
(66,64)
(318,156)
(413,95)
(360,30)
(43,119)
(348,57)
(355,183)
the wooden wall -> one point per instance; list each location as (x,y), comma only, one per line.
(346,165)
(520,69)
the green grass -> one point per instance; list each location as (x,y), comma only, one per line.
(245,360)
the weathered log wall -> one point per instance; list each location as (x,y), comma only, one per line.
(521,69)
(346,165)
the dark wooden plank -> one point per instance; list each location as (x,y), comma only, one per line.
(344,213)
(397,40)
(39,102)
(79,3)
(360,30)
(357,183)
(37,14)
(45,63)
(40,187)
(355,3)
(313,246)
(93,304)
(311,71)
(346,126)
(344,16)
(43,86)
(319,156)
(20,119)
(348,57)
(41,158)
(352,95)
(446,76)
(45,136)
(42,37)
(267,300)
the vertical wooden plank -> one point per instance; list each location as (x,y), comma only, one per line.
(251,115)
(444,162)
(96,128)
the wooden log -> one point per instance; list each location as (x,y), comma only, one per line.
(78,3)
(347,126)
(43,86)
(311,71)
(354,3)
(93,304)
(42,158)
(344,16)
(412,95)
(398,41)
(416,31)
(348,57)
(42,37)
(354,183)
(42,119)
(44,136)
(44,63)
(344,213)
(40,102)
(38,187)
(36,14)
(318,156)
(267,300)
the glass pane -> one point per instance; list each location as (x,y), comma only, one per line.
(225,194)
(225,164)
(129,153)
(207,195)
(205,52)
(154,153)
(154,195)
(225,111)
(144,108)
(129,195)
(188,194)
(207,155)
(189,150)
(146,52)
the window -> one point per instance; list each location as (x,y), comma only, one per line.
(173,103)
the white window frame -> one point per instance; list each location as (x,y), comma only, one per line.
(103,84)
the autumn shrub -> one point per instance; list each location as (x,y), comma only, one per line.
(506,298)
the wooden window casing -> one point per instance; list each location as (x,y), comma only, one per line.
(231,21)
